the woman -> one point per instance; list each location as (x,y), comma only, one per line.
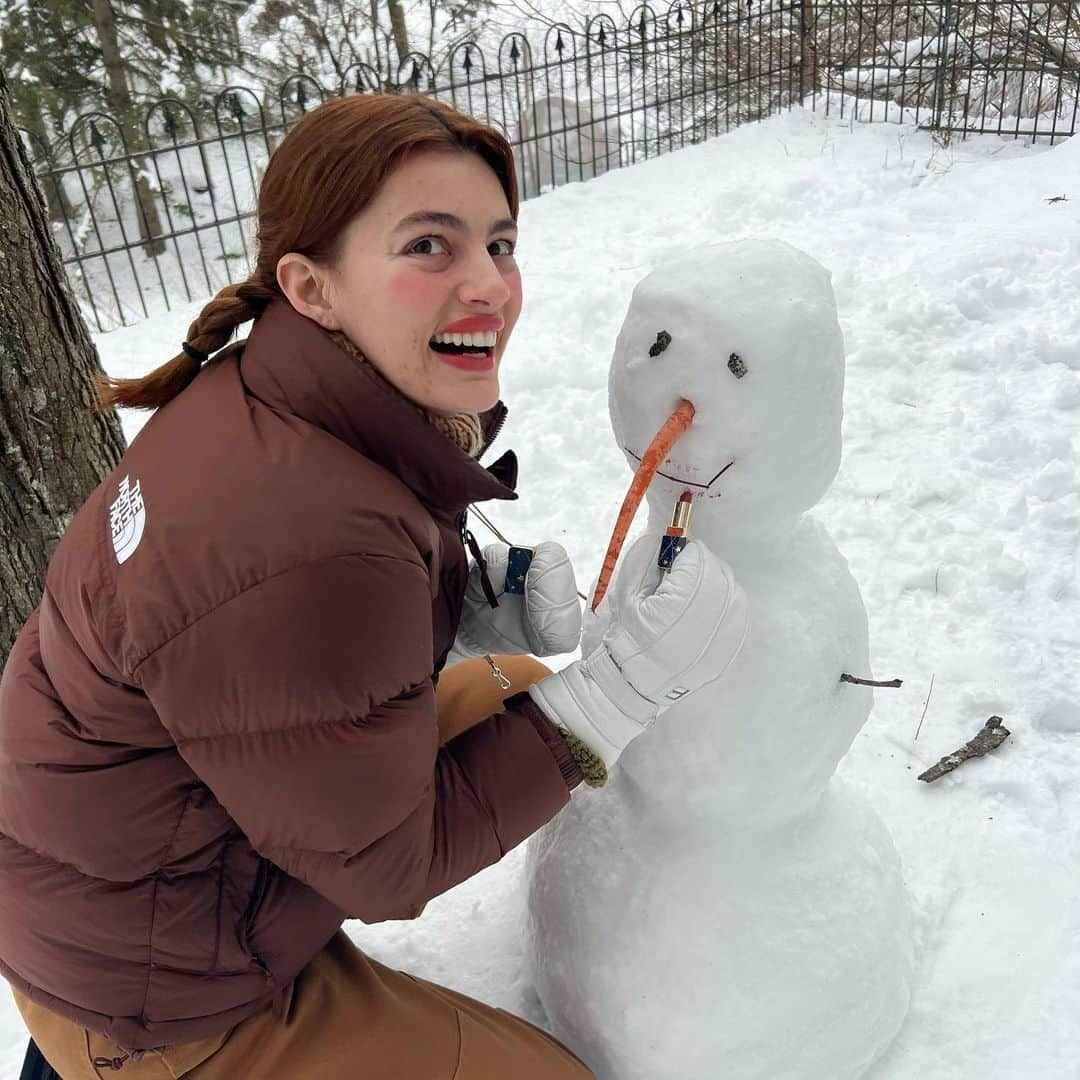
(224,729)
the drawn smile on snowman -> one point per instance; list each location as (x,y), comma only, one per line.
(703,488)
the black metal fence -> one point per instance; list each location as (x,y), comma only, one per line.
(164,215)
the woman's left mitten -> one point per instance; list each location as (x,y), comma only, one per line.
(544,620)
(552,605)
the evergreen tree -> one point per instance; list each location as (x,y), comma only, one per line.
(66,58)
(325,38)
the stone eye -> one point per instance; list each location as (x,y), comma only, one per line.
(663,340)
(736,365)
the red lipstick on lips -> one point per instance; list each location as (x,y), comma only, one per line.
(472,325)
(468,363)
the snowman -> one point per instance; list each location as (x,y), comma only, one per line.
(726,907)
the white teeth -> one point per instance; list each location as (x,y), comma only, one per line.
(483,340)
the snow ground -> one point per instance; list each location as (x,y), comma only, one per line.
(957,506)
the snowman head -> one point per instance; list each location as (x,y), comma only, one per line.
(748,333)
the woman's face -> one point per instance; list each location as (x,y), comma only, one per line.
(432,255)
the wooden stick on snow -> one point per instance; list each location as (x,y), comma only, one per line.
(992,735)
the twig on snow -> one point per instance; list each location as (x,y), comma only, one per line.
(926,704)
(992,735)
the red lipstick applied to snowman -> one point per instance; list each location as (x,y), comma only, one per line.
(677,534)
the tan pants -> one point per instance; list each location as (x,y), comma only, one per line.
(345,1016)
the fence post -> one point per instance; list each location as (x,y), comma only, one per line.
(944,31)
(807,49)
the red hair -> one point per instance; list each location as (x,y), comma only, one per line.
(326,170)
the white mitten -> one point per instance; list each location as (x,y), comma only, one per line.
(544,621)
(670,635)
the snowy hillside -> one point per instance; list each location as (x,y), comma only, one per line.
(957,506)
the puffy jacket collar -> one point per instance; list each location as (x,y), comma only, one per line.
(291,364)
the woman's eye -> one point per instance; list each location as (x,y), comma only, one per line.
(416,247)
(434,245)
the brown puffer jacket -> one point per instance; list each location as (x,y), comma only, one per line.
(218,731)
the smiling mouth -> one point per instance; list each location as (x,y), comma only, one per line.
(462,350)
(679,479)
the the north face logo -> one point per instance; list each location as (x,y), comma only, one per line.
(127,519)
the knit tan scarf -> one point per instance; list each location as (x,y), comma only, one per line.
(462,429)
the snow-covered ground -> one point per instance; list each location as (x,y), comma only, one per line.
(957,506)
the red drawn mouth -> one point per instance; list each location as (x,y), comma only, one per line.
(681,480)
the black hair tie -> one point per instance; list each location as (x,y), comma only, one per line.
(195,354)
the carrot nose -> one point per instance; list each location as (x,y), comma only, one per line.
(669,434)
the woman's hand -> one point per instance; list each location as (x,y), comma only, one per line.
(670,635)
(544,621)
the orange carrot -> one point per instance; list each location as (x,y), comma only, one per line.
(674,428)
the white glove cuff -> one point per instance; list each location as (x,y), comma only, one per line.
(600,667)
(562,706)
(597,711)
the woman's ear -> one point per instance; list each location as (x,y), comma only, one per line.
(306,285)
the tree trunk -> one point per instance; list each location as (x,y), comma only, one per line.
(387,74)
(119,98)
(55,448)
(61,210)
(154,21)
(56,198)
(397,25)
(809,62)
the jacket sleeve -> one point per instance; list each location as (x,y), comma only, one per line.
(305,704)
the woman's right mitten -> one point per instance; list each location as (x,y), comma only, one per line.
(670,635)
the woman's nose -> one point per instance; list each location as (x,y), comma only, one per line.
(483,282)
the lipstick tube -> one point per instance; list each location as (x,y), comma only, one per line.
(518,562)
(674,540)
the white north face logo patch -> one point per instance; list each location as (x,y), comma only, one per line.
(127,519)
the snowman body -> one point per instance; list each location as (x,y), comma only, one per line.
(725,906)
